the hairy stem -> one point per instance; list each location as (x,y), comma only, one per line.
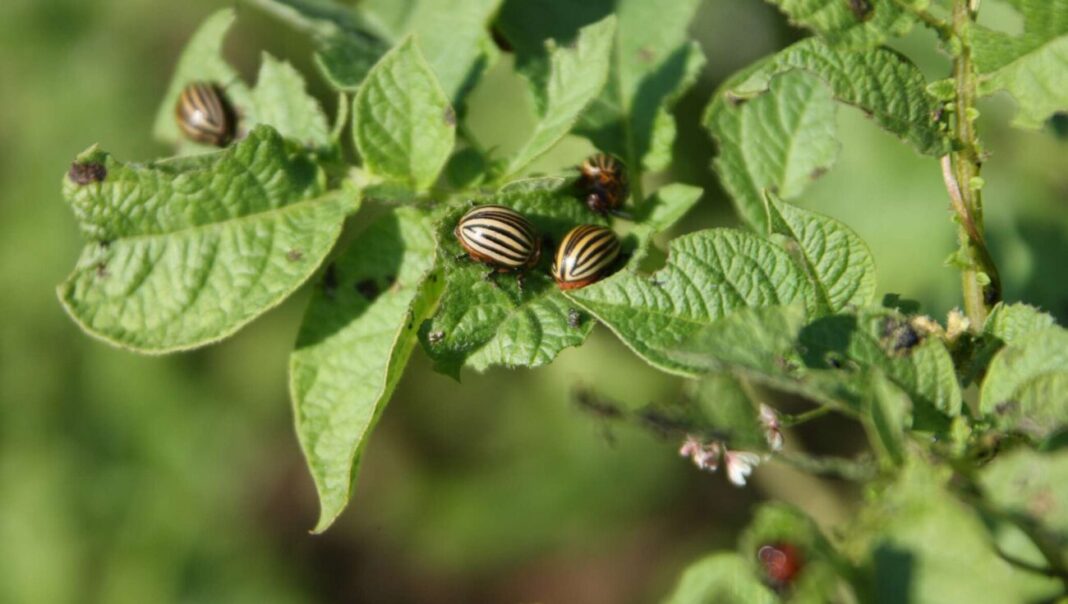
(979,279)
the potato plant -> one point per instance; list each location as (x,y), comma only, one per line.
(966,471)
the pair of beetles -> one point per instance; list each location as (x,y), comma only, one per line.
(505,240)
(492,234)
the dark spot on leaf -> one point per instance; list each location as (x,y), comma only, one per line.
(574,318)
(330,280)
(102,270)
(435,336)
(368,288)
(900,336)
(646,54)
(735,100)
(450,116)
(817,173)
(1042,503)
(89,172)
(294,255)
(861,9)
(572,45)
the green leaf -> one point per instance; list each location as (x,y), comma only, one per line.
(453,34)
(654,64)
(1032,485)
(761,346)
(576,76)
(1026,387)
(889,416)
(279,98)
(882,83)
(404,126)
(724,411)
(779,141)
(1011,322)
(481,323)
(886,341)
(185,252)
(708,275)
(1006,324)
(1031,66)
(760,340)
(358,333)
(839,264)
(723,578)
(666,207)
(348,44)
(854,24)
(357,336)
(920,544)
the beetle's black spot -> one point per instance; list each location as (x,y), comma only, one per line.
(450,116)
(86,173)
(294,255)
(368,288)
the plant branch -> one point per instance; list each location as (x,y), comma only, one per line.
(980,282)
(838,467)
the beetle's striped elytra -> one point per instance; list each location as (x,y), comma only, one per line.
(585,255)
(500,237)
(205,115)
(603,181)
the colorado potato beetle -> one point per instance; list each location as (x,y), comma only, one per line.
(205,115)
(500,237)
(584,256)
(603,181)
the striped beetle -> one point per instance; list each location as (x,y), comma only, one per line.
(500,237)
(603,181)
(585,255)
(205,115)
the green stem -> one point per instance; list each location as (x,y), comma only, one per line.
(838,467)
(788,421)
(961,169)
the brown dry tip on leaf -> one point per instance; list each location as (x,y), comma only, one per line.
(90,172)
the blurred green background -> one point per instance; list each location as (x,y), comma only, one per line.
(179,479)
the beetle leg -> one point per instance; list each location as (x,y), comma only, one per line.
(491,277)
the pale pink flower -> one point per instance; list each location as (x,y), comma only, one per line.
(772,429)
(740,465)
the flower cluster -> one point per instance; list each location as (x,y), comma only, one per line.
(739,464)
